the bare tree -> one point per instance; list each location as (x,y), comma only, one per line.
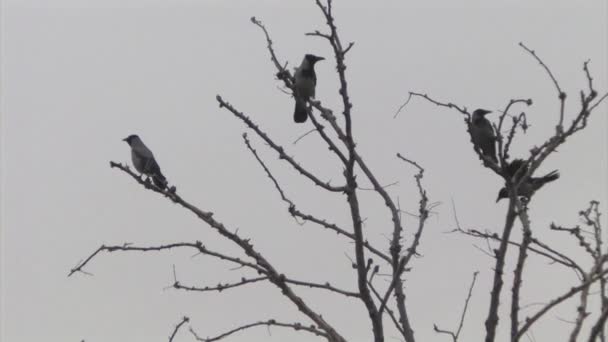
(386,303)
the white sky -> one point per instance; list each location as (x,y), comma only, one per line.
(78,76)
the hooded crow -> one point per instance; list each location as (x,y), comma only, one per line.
(304,87)
(144,162)
(482,134)
(531,185)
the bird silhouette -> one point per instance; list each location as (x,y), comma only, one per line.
(528,187)
(144,162)
(483,135)
(304,87)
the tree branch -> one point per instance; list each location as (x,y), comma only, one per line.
(531,320)
(306,217)
(271,322)
(197,245)
(184,321)
(274,276)
(277,148)
(456,334)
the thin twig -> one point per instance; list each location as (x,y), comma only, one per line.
(184,321)
(271,322)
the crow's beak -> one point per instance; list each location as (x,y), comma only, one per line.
(126,140)
(320,58)
(498,199)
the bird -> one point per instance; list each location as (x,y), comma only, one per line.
(304,86)
(530,185)
(144,162)
(482,134)
(514,166)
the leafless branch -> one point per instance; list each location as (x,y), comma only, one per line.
(598,328)
(197,245)
(279,149)
(544,251)
(219,287)
(462,110)
(271,322)
(179,325)
(283,74)
(574,290)
(519,268)
(245,245)
(456,334)
(306,217)
(576,232)
(561,93)
(303,136)
(500,254)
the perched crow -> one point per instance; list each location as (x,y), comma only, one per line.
(514,166)
(531,185)
(144,161)
(305,83)
(482,134)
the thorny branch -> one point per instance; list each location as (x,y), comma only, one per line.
(306,217)
(543,250)
(271,322)
(278,148)
(574,290)
(196,245)
(219,287)
(177,327)
(423,214)
(261,263)
(456,334)
(519,268)
(561,94)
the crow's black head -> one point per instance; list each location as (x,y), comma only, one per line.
(503,193)
(312,59)
(130,138)
(481,112)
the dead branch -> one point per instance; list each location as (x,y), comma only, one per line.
(219,287)
(456,334)
(279,149)
(560,92)
(276,278)
(196,245)
(271,322)
(179,325)
(307,217)
(519,268)
(558,300)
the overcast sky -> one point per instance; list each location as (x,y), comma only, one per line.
(79,76)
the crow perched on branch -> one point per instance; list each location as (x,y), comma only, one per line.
(144,162)
(305,83)
(531,185)
(483,135)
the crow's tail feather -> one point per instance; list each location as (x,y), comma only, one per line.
(551,176)
(300,114)
(159,180)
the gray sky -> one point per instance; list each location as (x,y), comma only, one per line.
(78,76)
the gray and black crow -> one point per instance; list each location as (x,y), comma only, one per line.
(531,185)
(304,87)
(482,134)
(144,162)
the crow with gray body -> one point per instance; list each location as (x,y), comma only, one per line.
(482,134)
(304,86)
(144,162)
(531,185)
